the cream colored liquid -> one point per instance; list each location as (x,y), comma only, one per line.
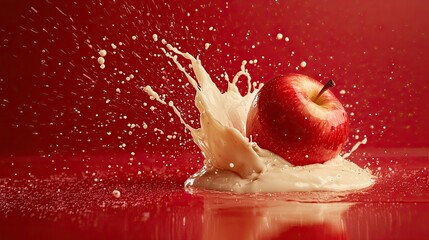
(232,162)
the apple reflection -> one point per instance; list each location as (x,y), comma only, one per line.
(250,217)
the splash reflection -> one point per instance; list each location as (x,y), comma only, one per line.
(261,217)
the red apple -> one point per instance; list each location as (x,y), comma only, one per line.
(299,119)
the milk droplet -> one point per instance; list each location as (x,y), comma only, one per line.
(155,37)
(116,194)
(342,92)
(279,36)
(207,45)
(102,53)
(303,64)
(101,60)
(287,39)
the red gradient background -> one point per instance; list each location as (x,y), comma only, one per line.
(53,92)
(61,115)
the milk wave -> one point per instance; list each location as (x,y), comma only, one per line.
(234,163)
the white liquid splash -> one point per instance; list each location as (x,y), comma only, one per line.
(232,162)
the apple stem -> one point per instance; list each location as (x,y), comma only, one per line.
(327,86)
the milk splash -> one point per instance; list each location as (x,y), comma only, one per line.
(232,162)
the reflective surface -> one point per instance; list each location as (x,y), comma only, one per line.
(72,133)
(154,205)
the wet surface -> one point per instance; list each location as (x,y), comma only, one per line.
(153,204)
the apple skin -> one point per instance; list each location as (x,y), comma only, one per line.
(285,119)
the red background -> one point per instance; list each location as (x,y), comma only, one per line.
(53,93)
(60,154)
